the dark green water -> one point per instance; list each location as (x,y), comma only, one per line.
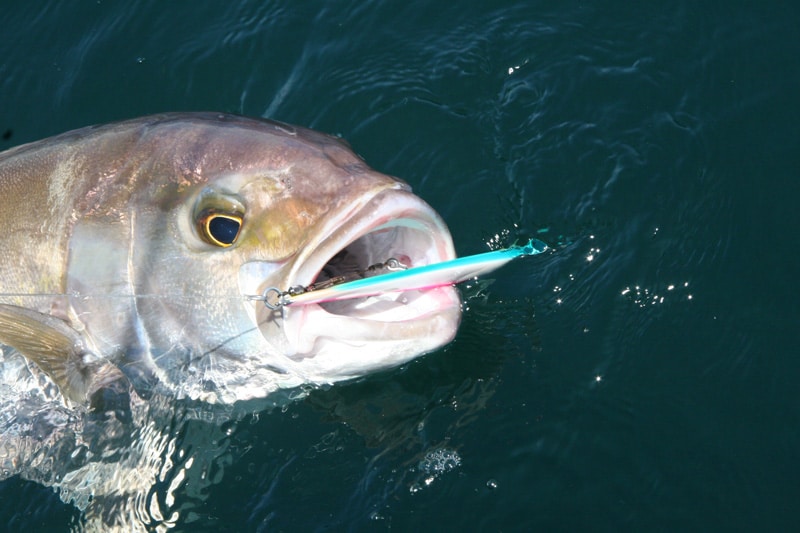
(643,377)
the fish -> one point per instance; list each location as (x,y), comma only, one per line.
(135,253)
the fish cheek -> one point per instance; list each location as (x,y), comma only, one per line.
(281,229)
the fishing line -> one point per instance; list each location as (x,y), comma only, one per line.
(390,276)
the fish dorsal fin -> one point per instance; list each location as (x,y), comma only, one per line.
(56,348)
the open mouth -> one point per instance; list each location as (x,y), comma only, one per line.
(358,260)
(393,225)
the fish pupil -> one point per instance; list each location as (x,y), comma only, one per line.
(224,229)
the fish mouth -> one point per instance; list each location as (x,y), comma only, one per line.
(346,338)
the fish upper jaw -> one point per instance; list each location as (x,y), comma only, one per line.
(333,341)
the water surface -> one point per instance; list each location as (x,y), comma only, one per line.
(642,377)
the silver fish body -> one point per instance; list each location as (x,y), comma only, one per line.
(133,251)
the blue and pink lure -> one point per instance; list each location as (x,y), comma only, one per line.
(417,278)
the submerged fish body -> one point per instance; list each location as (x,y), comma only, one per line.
(134,251)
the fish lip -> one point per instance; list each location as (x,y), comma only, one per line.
(387,209)
(396,221)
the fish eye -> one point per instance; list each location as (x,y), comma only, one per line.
(220,229)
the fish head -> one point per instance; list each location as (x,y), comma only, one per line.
(223,209)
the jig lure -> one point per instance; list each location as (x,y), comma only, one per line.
(403,279)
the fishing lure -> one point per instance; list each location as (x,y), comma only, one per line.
(400,278)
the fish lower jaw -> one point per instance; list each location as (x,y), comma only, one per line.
(341,340)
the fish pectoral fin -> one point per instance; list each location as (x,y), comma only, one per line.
(56,348)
